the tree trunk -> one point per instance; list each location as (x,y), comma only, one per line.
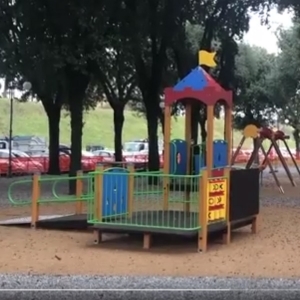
(296,135)
(53,111)
(53,121)
(118,128)
(77,86)
(153,156)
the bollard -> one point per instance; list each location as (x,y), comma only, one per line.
(130,169)
(79,189)
(35,199)
(98,199)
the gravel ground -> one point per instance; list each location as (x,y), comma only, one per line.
(225,288)
(131,282)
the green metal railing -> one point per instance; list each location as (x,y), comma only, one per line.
(51,184)
(24,184)
(148,205)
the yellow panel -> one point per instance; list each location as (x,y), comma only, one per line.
(216,199)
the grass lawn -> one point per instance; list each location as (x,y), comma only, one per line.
(30,119)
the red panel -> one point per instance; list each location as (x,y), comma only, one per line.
(210,95)
(217,172)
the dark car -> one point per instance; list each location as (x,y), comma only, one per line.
(92,148)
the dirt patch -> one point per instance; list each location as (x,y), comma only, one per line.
(270,253)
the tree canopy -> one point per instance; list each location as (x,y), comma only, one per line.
(77,53)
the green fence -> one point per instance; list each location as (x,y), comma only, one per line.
(20,191)
(146,207)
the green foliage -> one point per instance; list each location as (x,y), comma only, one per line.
(253,103)
(285,76)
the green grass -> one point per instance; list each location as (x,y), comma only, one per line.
(30,119)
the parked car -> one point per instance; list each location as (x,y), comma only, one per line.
(93,148)
(105,155)
(17,167)
(32,165)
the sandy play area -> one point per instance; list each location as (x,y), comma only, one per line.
(270,253)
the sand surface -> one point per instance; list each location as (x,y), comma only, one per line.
(270,253)
(273,252)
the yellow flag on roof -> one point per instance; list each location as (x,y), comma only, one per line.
(207,58)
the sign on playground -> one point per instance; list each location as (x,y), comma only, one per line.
(216,198)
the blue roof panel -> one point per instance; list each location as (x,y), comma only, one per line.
(195,80)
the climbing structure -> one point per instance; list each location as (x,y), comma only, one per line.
(198,85)
(262,134)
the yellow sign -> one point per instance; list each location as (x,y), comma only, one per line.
(216,199)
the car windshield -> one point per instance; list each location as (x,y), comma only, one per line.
(20,154)
(87,153)
(131,147)
(6,154)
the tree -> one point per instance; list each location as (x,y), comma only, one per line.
(253,103)
(151,26)
(22,59)
(284,80)
(219,23)
(118,82)
(73,37)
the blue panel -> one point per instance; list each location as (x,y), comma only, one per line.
(173,152)
(195,80)
(199,160)
(115,192)
(197,164)
(220,153)
(180,147)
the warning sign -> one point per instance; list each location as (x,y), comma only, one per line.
(216,198)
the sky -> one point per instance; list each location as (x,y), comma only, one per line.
(262,35)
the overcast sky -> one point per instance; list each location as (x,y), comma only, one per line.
(262,35)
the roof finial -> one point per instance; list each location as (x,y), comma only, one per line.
(206,58)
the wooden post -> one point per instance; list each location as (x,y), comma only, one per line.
(203,234)
(79,189)
(228,132)
(167,139)
(254,225)
(147,241)
(98,201)
(210,139)
(35,199)
(227,234)
(130,199)
(188,137)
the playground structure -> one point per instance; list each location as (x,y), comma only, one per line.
(196,194)
(196,182)
(262,134)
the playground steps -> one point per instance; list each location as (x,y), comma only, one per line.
(59,222)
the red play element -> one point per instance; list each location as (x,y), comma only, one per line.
(210,95)
(266,133)
(217,173)
(280,136)
(216,207)
(216,194)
